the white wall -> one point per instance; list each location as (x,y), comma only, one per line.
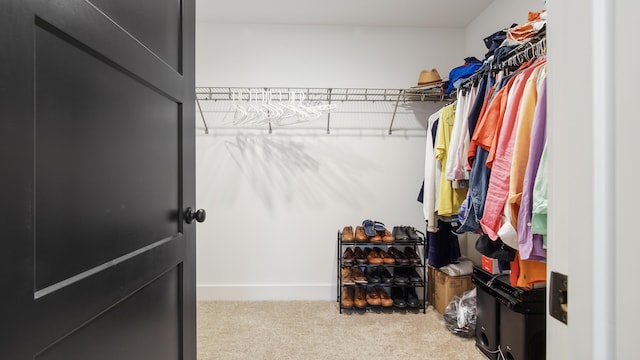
(500,14)
(275,202)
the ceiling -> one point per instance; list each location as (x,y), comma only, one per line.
(405,13)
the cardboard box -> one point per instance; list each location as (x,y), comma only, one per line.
(490,265)
(442,288)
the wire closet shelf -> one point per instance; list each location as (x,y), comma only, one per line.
(317,101)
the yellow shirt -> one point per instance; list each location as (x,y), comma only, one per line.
(450,199)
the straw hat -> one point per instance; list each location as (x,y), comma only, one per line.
(428,77)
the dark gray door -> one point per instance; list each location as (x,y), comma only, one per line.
(97,165)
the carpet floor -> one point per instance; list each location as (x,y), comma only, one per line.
(309,330)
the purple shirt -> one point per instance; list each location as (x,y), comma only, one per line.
(531,244)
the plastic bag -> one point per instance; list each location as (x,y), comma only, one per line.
(461,314)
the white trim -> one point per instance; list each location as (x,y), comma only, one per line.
(266,292)
(604,243)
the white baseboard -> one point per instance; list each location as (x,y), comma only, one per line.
(266,292)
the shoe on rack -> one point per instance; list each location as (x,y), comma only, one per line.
(414,276)
(412,297)
(347,234)
(348,257)
(401,258)
(373,277)
(347,276)
(385,299)
(412,255)
(386,258)
(397,295)
(385,275)
(372,296)
(400,276)
(360,235)
(359,299)
(346,300)
(372,256)
(359,255)
(387,236)
(377,238)
(400,233)
(370,227)
(412,233)
(358,275)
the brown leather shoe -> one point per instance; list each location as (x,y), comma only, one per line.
(358,275)
(359,255)
(372,297)
(359,299)
(385,299)
(386,258)
(347,276)
(347,297)
(360,235)
(376,238)
(387,236)
(347,234)
(372,256)
(348,257)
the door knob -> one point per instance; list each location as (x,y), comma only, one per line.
(198,215)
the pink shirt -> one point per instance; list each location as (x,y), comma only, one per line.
(498,190)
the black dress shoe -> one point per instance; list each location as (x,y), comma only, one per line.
(399,301)
(399,233)
(412,297)
(385,275)
(401,258)
(414,276)
(400,276)
(412,255)
(372,276)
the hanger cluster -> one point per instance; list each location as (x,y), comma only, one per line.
(275,107)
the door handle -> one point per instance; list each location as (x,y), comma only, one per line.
(198,215)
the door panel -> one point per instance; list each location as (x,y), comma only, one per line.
(155,23)
(152,328)
(97,149)
(106,168)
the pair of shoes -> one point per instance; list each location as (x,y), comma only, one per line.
(406,234)
(373,298)
(348,257)
(358,276)
(379,275)
(347,276)
(385,299)
(400,257)
(346,300)
(403,297)
(359,299)
(347,234)
(406,276)
(359,255)
(412,255)
(373,256)
(371,227)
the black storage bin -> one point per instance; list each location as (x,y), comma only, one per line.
(510,320)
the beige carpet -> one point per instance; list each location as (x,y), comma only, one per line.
(301,330)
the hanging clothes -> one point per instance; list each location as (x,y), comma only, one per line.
(432,172)
(450,199)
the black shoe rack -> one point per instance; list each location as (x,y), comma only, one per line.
(418,247)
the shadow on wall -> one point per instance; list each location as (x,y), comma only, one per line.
(285,169)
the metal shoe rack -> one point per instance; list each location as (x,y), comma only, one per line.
(418,247)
